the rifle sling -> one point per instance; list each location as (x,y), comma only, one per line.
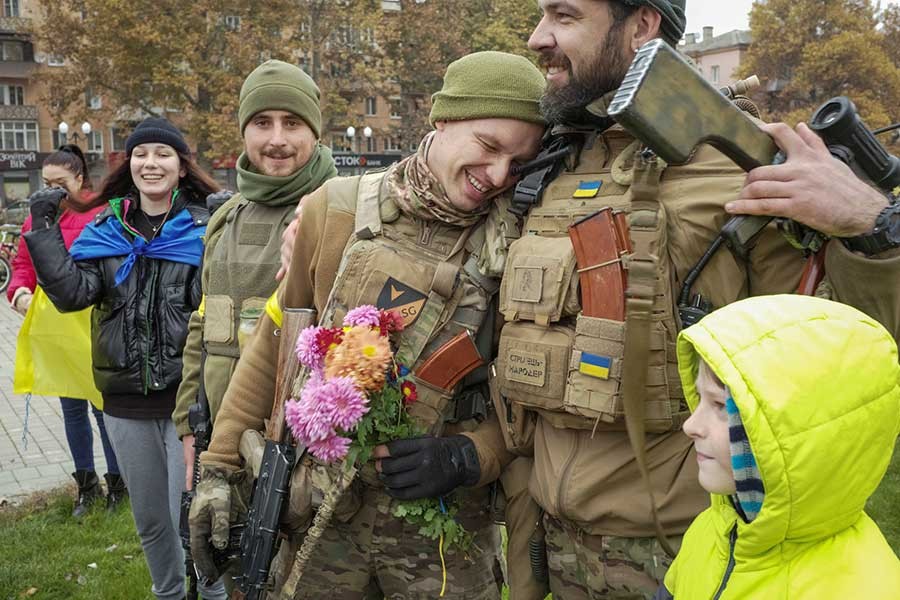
(640,295)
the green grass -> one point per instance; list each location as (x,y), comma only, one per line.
(884,505)
(42,547)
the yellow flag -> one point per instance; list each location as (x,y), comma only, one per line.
(53,353)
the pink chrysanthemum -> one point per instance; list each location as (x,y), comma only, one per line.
(309,418)
(308,351)
(331,449)
(365,315)
(343,403)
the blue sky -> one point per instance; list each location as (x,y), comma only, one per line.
(723,15)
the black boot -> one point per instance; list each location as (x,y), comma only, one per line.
(115,491)
(89,490)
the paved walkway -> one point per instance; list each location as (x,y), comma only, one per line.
(42,460)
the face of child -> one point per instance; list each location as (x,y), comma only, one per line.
(708,428)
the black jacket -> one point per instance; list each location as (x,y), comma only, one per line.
(138,329)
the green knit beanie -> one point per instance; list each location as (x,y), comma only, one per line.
(489,85)
(277,85)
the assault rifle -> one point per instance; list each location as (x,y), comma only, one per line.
(666,104)
(260,534)
(201,425)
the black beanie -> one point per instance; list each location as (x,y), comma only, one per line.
(159,130)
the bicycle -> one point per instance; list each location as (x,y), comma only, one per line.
(9,243)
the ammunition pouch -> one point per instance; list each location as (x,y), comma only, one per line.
(218,320)
(598,395)
(540,284)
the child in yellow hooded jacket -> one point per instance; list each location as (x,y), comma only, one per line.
(796,409)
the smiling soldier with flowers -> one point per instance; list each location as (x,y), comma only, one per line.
(424,240)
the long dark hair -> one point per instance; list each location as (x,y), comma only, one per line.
(195,186)
(71,158)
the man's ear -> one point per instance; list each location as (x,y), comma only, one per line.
(439,125)
(646,24)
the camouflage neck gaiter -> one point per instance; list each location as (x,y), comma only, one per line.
(418,193)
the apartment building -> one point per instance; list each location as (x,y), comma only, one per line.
(28,130)
(717,56)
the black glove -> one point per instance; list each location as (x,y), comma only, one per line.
(215,200)
(44,206)
(428,467)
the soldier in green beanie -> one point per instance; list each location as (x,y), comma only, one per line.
(426,238)
(280,122)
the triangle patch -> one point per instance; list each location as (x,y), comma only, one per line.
(402,299)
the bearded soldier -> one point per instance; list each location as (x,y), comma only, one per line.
(564,373)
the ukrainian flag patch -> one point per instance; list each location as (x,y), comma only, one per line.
(594,365)
(587,189)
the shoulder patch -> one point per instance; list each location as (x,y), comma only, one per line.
(402,299)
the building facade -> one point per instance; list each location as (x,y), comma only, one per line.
(717,56)
(30,130)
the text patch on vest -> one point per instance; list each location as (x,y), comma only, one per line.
(529,368)
(402,299)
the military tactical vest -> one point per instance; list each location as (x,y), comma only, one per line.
(242,268)
(424,270)
(547,341)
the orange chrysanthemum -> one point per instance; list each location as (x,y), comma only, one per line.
(364,355)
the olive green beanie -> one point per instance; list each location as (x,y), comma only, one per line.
(277,85)
(489,85)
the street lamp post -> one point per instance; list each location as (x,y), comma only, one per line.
(85,130)
(351,133)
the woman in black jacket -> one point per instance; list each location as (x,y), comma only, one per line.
(137,264)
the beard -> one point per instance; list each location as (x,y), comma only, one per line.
(602,74)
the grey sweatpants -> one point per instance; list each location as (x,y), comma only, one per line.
(151,462)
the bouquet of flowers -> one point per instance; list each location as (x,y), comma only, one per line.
(355,398)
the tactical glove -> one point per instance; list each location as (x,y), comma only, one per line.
(217,199)
(428,467)
(44,206)
(209,519)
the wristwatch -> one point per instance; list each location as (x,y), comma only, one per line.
(885,235)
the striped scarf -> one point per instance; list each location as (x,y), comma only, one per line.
(749,493)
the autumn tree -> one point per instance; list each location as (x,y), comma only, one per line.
(890,20)
(188,59)
(808,51)
(421,39)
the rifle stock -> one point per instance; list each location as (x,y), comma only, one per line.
(295,321)
(666,104)
(659,102)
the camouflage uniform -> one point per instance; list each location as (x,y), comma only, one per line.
(374,555)
(592,567)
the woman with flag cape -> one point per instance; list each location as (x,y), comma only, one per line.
(137,264)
